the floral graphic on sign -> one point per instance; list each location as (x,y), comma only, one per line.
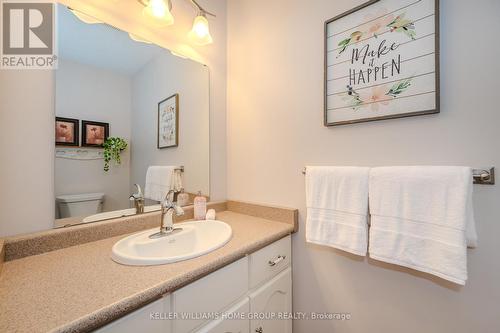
(399,88)
(353,38)
(375,27)
(353,98)
(378,95)
(377,22)
(400,24)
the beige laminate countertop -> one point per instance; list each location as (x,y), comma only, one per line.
(79,288)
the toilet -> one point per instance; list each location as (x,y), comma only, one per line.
(84,204)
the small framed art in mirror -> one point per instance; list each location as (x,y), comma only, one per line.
(168,122)
(66,131)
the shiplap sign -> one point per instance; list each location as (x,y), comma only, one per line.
(382,61)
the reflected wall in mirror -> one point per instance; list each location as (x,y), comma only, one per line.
(115,85)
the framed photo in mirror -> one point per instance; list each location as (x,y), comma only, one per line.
(168,122)
(67,131)
(94,133)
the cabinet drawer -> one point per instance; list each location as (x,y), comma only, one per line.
(269,261)
(274,300)
(140,320)
(231,324)
(212,293)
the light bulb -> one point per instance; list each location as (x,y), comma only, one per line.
(159,12)
(158,8)
(200,33)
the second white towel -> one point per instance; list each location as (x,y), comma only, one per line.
(337,207)
(422,218)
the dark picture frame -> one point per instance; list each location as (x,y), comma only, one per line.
(102,133)
(67,131)
(435,110)
(167,126)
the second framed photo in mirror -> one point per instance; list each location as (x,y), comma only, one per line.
(94,133)
(168,122)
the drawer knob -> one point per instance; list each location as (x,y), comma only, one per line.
(276,261)
(259,330)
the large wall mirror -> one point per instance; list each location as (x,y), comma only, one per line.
(114,91)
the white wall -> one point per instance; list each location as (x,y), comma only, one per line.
(27,150)
(275,115)
(89,93)
(162,77)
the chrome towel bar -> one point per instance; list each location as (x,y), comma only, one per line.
(481,176)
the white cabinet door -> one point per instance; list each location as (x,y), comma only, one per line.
(149,318)
(270,303)
(210,294)
(235,320)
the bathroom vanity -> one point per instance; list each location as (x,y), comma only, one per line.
(98,269)
(231,299)
(66,280)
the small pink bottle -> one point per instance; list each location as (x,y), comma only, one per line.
(200,207)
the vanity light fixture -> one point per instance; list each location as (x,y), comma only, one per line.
(200,33)
(158,11)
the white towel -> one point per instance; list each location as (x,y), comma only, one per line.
(337,207)
(158,180)
(420,217)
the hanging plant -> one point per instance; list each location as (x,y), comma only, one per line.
(113,147)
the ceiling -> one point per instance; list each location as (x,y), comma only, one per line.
(101,45)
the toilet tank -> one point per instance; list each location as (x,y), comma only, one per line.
(84,204)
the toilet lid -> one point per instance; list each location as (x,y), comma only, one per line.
(80,197)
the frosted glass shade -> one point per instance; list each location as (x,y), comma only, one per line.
(159,13)
(200,33)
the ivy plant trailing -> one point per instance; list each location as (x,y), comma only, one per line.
(113,146)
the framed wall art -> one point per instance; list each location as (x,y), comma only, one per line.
(382,62)
(168,122)
(67,131)
(94,133)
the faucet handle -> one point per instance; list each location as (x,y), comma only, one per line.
(139,190)
(137,195)
(166,200)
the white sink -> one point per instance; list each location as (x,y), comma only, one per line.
(195,239)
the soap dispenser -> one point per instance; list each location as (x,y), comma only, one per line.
(200,207)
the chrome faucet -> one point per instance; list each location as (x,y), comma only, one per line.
(168,207)
(138,199)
